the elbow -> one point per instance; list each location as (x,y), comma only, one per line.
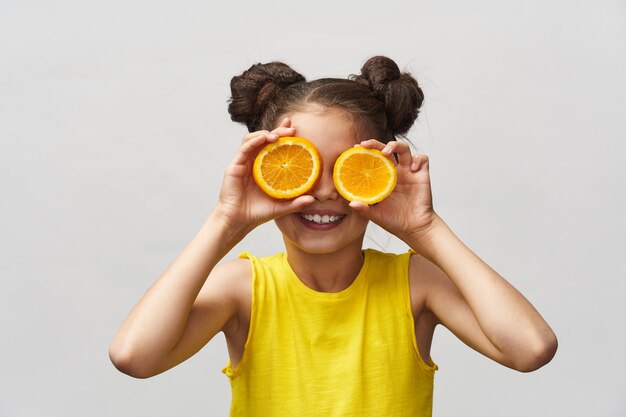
(129,363)
(539,354)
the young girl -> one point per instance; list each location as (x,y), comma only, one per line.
(327,328)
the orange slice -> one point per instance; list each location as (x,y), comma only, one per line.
(363,174)
(287,168)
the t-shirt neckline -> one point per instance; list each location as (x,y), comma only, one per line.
(293,279)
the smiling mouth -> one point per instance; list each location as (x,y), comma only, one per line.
(325,219)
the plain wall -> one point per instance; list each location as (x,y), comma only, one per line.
(114,135)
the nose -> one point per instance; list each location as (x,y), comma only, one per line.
(325,188)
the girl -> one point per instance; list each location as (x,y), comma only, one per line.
(327,328)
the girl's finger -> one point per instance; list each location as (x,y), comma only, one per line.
(372,144)
(250,147)
(415,163)
(359,206)
(296,204)
(286,122)
(419,162)
(284,128)
(270,136)
(284,131)
(376,144)
(401,149)
(254,140)
(363,209)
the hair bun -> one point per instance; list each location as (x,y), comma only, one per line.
(399,91)
(256,88)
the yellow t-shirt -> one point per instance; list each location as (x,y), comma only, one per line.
(351,353)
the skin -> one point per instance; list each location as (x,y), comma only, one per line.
(194,299)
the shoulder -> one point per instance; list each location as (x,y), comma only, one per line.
(228,284)
(234,267)
(234,278)
(228,289)
(391,261)
(386,259)
(408,265)
(231,278)
(389,264)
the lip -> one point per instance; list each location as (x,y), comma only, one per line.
(323,212)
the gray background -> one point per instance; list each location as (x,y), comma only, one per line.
(114,136)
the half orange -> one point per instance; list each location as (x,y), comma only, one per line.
(287,168)
(364,174)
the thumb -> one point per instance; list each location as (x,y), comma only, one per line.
(296,204)
(361,208)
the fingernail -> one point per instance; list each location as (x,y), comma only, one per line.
(413,166)
(386,149)
(273,136)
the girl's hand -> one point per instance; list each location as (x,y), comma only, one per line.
(408,212)
(242,204)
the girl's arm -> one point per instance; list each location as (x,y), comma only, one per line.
(172,311)
(464,293)
(193,300)
(477,304)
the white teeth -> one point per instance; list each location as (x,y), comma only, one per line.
(325,219)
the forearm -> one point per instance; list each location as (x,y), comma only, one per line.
(506,317)
(156,323)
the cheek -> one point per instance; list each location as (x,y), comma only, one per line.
(359,222)
(287,225)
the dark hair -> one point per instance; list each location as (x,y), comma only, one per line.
(381,99)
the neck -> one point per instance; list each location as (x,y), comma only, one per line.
(328,272)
